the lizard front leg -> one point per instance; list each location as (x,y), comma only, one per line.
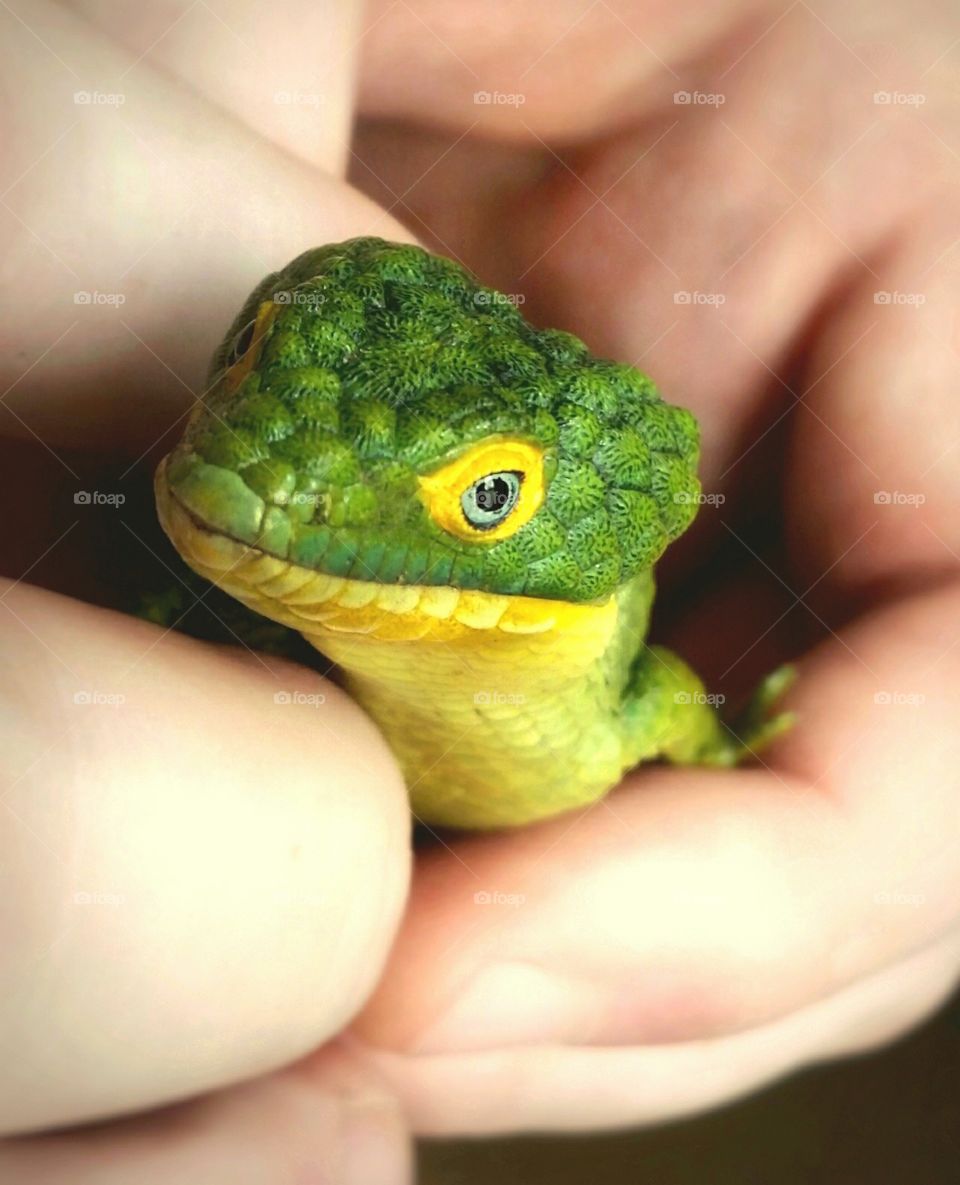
(668,713)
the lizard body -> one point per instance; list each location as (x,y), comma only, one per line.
(463,513)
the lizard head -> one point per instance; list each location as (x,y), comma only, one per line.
(375,413)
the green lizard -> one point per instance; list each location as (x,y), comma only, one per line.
(463,512)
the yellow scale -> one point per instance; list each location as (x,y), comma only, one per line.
(494,705)
(482,697)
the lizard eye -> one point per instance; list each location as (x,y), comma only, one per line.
(245,348)
(487,493)
(490,499)
(241,343)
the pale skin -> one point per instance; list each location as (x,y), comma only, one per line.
(694,936)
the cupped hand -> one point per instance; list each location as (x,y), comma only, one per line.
(776,249)
(204,853)
(764,218)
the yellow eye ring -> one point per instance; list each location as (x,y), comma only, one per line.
(515,465)
(236,373)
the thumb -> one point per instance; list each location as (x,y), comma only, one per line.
(327,1120)
(204,854)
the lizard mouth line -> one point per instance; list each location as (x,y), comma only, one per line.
(317,603)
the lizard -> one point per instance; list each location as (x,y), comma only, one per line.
(463,512)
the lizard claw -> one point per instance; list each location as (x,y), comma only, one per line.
(758,723)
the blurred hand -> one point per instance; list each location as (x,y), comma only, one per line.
(203,853)
(756,204)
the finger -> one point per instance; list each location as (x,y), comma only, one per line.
(693,903)
(128,244)
(333,1122)
(208,855)
(566,70)
(873,481)
(263,65)
(697,243)
(563,1089)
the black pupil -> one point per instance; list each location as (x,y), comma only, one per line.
(493,493)
(241,343)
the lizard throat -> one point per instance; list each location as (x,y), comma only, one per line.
(322,606)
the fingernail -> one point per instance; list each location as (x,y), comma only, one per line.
(511,1004)
(375,1147)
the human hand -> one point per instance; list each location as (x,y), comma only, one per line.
(697,933)
(201,882)
(779,253)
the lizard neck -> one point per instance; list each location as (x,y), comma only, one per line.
(520,697)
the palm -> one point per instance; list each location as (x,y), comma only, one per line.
(691,905)
(696,933)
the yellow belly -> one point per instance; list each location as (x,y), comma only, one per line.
(498,708)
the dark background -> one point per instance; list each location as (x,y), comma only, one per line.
(890,1118)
